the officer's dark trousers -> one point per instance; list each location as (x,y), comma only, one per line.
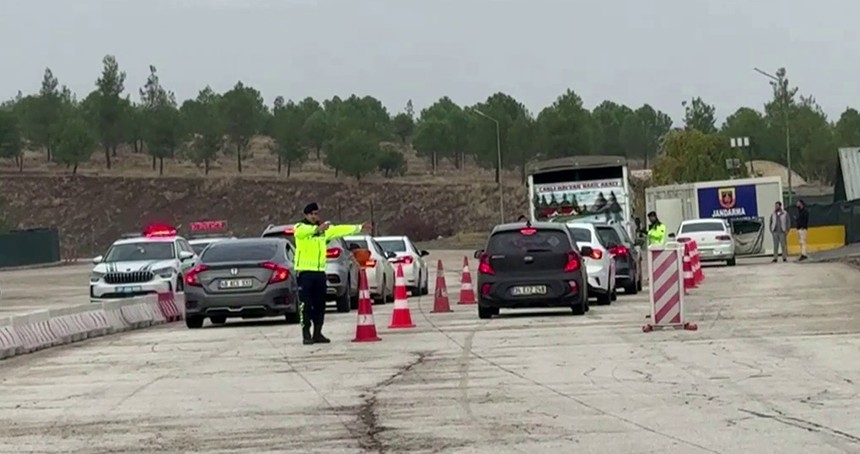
(312,294)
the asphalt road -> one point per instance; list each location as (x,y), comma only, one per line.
(772,368)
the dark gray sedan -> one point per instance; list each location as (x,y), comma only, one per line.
(243,278)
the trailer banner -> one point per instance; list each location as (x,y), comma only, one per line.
(728,202)
(582,201)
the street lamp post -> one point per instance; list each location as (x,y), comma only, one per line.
(499,164)
(782,92)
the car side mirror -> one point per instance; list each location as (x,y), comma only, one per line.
(390,255)
(97,260)
(479,253)
(185,255)
(424,253)
(671,235)
(586,250)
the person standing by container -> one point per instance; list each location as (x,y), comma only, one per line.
(802,227)
(779,231)
(656,230)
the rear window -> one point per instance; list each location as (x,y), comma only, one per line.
(716,226)
(198,247)
(392,245)
(229,251)
(580,235)
(360,243)
(513,242)
(608,236)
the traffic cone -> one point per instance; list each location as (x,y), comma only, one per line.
(467,293)
(697,264)
(689,281)
(440,296)
(401,317)
(365,328)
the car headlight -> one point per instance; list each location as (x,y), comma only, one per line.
(95,276)
(163,272)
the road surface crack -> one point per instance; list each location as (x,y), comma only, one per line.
(368,412)
(803,424)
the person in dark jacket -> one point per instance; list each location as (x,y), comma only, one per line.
(802,226)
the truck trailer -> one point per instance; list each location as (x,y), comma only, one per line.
(745,204)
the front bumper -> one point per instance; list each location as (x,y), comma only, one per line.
(103,290)
(271,302)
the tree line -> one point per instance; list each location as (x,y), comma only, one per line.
(359,136)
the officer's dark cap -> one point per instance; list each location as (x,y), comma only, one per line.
(652,213)
(310,208)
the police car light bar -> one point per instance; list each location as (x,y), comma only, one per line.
(208,226)
(159,230)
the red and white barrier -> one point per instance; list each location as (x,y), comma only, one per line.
(666,267)
(169,307)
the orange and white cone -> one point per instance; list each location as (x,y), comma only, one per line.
(401,317)
(467,293)
(365,328)
(440,295)
(689,280)
(697,264)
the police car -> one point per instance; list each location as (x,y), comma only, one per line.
(140,264)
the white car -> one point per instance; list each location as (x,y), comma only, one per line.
(380,273)
(713,238)
(599,266)
(200,243)
(412,260)
(154,262)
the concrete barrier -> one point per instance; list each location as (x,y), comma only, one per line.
(823,238)
(28,333)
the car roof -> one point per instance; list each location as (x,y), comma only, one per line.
(257,240)
(210,239)
(390,237)
(583,225)
(703,221)
(148,239)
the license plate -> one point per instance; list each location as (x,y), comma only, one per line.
(129,289)
(528,290)
(236,283)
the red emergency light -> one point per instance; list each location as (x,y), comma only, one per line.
(159,230)
(208,226)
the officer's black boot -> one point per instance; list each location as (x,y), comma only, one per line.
(307,339)
(318,338)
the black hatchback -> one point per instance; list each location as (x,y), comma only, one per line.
(531,266)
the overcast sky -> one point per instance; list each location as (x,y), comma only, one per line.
(631,51)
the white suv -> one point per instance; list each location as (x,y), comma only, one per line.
(151,263)
(600,265)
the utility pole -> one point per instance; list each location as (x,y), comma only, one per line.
(498,164)
(780,89)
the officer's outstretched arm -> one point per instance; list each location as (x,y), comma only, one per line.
(338,231)
(304,231)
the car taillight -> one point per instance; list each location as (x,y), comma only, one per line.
(407,260)
(619,251)
(484,266)
(485,289)
(683,239)
(596,254)
(723,238)
(191,278)
(279,273)
(333,253)
(572,262)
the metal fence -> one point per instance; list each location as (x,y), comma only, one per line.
(29,247)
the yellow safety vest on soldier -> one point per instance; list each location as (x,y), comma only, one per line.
(656,234)
(311,246)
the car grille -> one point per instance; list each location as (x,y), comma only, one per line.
(129,277)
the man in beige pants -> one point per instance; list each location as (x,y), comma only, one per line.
(802,227)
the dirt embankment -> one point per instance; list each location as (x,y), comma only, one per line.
(91,212)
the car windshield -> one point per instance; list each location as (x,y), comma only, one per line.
(281,234)
(696,227)
(130,252)
(608,236)
(392,245)
(198,247)
(514,242)
(581,235)
(240,251)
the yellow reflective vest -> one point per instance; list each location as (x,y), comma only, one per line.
(311,246)
(656,234)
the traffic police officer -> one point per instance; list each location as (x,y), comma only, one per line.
(656,230)
(312,237)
